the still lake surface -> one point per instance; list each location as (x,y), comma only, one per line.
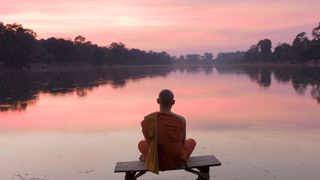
(261,123)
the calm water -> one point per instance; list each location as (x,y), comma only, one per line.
(262,123)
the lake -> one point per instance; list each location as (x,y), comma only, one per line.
(75,124)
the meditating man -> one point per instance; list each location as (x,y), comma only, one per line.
(165,145)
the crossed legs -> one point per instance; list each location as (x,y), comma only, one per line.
(189,146)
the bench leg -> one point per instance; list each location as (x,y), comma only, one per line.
(204,173)
(130,176)
(133,176)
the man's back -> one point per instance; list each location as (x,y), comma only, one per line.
(170,141)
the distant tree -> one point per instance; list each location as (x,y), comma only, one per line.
(17,44)
(315,44)
(282,52)
(208,56)
(192,58)
(316,32)
(164,58)
(229,57)
(136,56)
(79,39)
(265,46)
(61,50)
(99,55)
(301,37)
(181,58)
(119,53)
(300,47)
(252,54)
(2,27)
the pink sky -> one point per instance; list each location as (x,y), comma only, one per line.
(176,26)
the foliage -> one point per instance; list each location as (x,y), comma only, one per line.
(302,50)
(230,57)
(265,46)
(190,59)
(19,46)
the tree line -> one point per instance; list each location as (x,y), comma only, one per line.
(302,50)
(190,59)
(19,47)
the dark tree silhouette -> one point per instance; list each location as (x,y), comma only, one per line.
(302,50)
(208,56)
(79,39)
(194,59)
(315,44)
(119,53)
(265,46)
(300,47)
(316,33)
(252,54)
(230,57)
(19,47)
(282,52)
(17,44)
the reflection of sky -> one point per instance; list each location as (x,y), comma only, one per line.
(250,154)
(207,101)
(256,132)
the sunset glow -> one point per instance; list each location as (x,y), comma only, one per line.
(179,27)
(207,104)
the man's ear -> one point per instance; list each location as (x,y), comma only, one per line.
(173,101)
(158,101)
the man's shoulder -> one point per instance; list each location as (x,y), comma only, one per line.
(149,119)
(179,116)
(154,115)
(151,115)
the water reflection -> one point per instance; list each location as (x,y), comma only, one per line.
(230,111)
(300,78)
(19,89)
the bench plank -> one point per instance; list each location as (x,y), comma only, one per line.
(200,161)
(130,166)
(192,162)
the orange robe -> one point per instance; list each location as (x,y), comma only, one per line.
(165,135)
(150,132)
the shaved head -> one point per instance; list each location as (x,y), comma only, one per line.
(166,98)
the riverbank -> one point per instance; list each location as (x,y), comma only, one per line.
(265,64)
(73,66)
(41,67)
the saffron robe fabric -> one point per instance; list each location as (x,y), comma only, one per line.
(165,135)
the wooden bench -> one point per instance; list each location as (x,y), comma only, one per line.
(135,169)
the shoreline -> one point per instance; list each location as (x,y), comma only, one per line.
(298,65)
(73,66)
(86,66)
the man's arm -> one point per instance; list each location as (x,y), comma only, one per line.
(145,132)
